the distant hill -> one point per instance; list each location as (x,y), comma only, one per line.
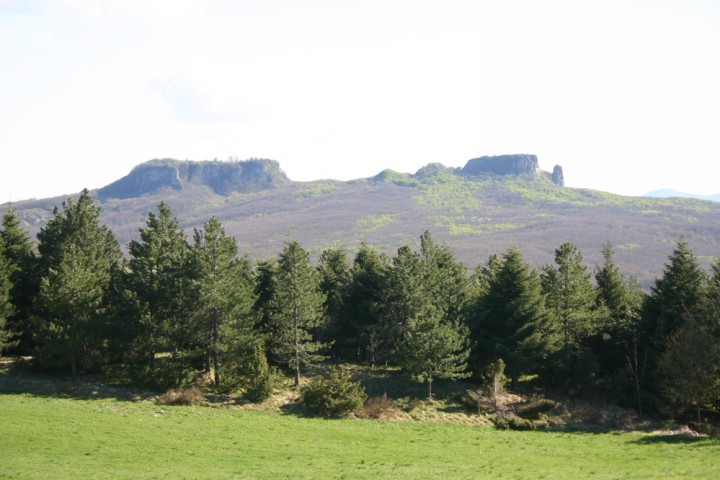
(481,209)
(670,193)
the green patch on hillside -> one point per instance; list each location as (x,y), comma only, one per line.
(47,437)
(451,192)
(318,189)
(629,247)
(371,223)
(461,225)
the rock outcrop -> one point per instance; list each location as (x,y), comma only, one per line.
(222,177)
(518,164)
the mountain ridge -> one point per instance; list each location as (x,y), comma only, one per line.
(476,215)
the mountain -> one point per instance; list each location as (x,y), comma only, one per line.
(481,209)
(670,193)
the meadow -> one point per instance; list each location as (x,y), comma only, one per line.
(49,436)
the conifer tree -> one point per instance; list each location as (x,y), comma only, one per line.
(364,304)
(445,278)
(265,273)
(6,307)
(405,296)
(297,311)
(570,300)
(78,257)
(675,298)
(225,295)
(511,321)
(159,279)
(335,276)
(22,264)
(675,295)
(435,348)
(617,344)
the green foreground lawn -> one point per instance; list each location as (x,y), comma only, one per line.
(50,437)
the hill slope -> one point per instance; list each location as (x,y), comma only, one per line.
(478,214)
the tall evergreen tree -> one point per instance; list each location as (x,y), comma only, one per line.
(617,344)
(6,307)
(225,295)
(510,320)
(335,276)
(689,368)
(297,310)
(570,299)
(445,278)
(160,281)
(21,261)
(435,348)
(265,275)
(405,297)
(78,256)
(673,300)
(364,305)
(674,296)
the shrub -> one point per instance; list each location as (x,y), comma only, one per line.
(260,378)
(513,423)
(333,394)
(535,410)
(378,407)
(184,396)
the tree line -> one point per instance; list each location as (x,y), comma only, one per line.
(171,310)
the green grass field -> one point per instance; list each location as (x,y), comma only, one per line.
(54,437)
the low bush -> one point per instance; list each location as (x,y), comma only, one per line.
(333,394)
(513,423)
(379,407)
(535,410)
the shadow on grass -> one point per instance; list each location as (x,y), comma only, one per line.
(16,377)
(676,439)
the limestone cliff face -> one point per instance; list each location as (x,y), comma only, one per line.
(223,177)
(518,164)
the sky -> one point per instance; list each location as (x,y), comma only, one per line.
(625,95)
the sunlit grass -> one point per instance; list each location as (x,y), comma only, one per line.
(48,437)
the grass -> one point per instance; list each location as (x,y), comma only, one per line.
(52,437)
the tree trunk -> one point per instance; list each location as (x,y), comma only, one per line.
(430,389)
(216,363)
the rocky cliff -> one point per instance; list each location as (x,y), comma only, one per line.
(222,177)
(518,164)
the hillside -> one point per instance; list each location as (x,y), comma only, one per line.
(478,210)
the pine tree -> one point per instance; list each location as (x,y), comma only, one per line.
(405,297)
(689,369)
(445,278)
(225,295)
(265,274)
(159,279)
(21,262)
(297,311)
(511,320)
(570,299)
(335,276)
(617,344)
(674,299)
(674,296)
(435,348)
(78,257)
(364,305)
(6,307)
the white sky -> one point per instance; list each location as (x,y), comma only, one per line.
(625,95)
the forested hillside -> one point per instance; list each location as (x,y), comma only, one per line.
(176,308)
